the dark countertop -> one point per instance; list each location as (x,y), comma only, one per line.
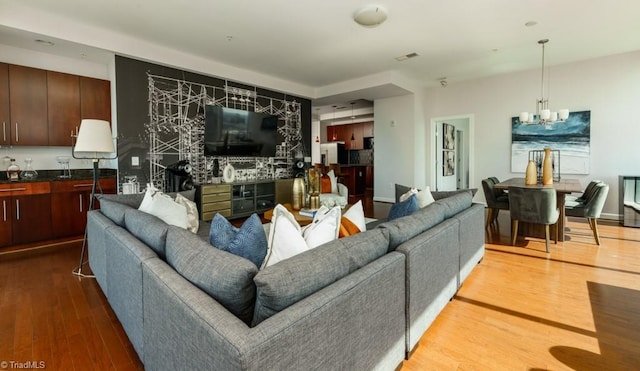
(52,175)
(354,165)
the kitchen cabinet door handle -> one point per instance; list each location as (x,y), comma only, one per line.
(4,131)
(12,189)
(4,210)
(80,197)
(82,185)
(17,136)
(17,209)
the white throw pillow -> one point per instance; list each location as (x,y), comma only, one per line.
(355,214)
(192,212)
(287,238)
(162,206)
(334,181)
(424,197)
(408,194)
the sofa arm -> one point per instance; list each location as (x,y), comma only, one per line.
(359,320)
(343,191)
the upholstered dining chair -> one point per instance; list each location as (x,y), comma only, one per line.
(590,207)
(568,199)
(533,205)
(496,199)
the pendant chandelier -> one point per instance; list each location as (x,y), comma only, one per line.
(543,115)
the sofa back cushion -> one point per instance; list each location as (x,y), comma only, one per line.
(148,229)
(113,210)
(405,228)
(456,203)
(225,277)
(289,281)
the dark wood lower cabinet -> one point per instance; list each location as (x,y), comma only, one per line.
(40,211)
(70,200)
(31,218)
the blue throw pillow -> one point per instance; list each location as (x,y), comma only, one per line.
(248,241)
(404,208)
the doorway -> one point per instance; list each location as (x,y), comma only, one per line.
(453,149)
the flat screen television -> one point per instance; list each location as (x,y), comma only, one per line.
(234,132)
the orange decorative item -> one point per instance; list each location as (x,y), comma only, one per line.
(531,177)
(325,184)
(547,168)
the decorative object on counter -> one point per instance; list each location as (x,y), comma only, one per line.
(229,173)
(531,177)
(64,162)
(298,193)
(547,168)
(13,171)
(28,173)
(93,140)
(130,185)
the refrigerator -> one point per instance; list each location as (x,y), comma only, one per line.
(334,153)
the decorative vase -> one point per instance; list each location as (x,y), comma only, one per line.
(531,177)
(298,193)
(28,173)
(314,181)
(547,168)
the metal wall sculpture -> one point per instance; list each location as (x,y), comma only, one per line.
(176,128)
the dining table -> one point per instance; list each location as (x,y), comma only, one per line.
(562,187)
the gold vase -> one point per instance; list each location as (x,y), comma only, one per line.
(298,193)
(314,181)
(531,177)
(547,168)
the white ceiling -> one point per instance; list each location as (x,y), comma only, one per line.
(317,44)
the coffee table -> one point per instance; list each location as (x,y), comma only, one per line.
(301,219)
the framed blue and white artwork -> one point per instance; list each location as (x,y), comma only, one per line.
(571,137)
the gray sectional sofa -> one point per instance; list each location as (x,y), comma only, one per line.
(360,302)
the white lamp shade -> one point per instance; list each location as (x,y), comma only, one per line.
(524,116)
(554,116)
(94,136)
(563,114)
(545,114)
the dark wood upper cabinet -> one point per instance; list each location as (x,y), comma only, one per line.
(63,101)
(95,99)
(28,106)
(5,117)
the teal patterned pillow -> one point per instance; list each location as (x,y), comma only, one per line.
(404,208)
(249,241)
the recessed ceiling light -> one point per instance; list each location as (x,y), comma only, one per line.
(406,56)
(531,23)
(44,42)
(370,16)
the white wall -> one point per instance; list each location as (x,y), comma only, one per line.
(609,87)
(394,158)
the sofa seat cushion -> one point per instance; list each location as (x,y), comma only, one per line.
(283,284)
(148,229)
(225,277)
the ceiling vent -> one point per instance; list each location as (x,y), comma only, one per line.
(403,58)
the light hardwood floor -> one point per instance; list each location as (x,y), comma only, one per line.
(521,309)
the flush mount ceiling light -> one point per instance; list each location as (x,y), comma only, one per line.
(406,56)
(370,16)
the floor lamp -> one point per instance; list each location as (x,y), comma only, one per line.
(93,140)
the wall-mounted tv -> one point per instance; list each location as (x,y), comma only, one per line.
(234,132)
